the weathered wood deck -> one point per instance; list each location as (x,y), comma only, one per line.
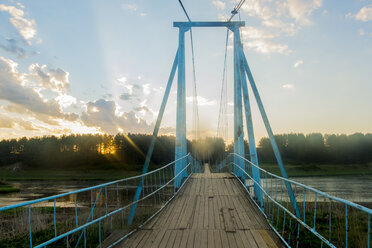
(212,210)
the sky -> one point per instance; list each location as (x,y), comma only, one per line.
(92,66)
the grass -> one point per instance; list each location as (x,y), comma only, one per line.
(357,226)
(6,188)
(307,170)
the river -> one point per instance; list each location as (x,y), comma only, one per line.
(352,188)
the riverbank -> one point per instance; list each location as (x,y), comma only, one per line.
(63,175)
(6,188)
(102,174)
(321,170)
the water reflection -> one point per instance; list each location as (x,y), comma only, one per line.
(355,189)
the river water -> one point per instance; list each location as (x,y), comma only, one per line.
(352,188)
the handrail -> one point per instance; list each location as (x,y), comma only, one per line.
(105,203)
(26,203)
(271,202)
(109,214)
(351,204)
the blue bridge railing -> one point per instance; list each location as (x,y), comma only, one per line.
(325,220)
(88,216)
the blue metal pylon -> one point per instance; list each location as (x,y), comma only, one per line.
(238,111)
(181,145)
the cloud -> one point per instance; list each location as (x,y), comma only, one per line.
(219,4)
(25,27)
(202,101)
(14,90)
(260,41)
(298,63)
(364,14)
(301,10)
(143,14)
(52,79)
(126,97)
(13,47)
(277,18)
(107,119)
(288,86)
(65,100)
(129,6)
(361,32)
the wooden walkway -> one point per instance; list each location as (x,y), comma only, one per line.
(211,210)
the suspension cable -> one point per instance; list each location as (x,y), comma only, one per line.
(222,118)
(195,95)
(184,10)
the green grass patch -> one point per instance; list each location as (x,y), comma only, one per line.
(6,188)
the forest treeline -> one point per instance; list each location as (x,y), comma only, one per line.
(128,151)
(317,148)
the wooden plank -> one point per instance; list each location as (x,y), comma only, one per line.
(185,235)
(220,215)
(267,238)
(188,215)
(234,212)
(217,222)
(152,236)
(136,238)
(165,239)
(259,240)
(204,238)
(158,238)
(251,240)
(217,238)
(206,212)
(228,222)
(211,239)
(231,239)
(242,214)
(198,237)
(211,217)
(195,218)
(245,240)
(224,240)
(239,241)
(177,241)
(200,223)
(172,238)
(172,222)
(143,240)
(191,238)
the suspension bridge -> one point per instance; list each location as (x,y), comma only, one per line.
(234,203)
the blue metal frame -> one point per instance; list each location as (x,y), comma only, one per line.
(273,198)
(181,145)
(270,133)
(248,117)
(238,111)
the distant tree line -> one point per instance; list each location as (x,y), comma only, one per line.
(315,148)
(92,151)
(129,151)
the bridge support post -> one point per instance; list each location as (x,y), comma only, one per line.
(238,112)
(181,144)
(248,117)
(271,135)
